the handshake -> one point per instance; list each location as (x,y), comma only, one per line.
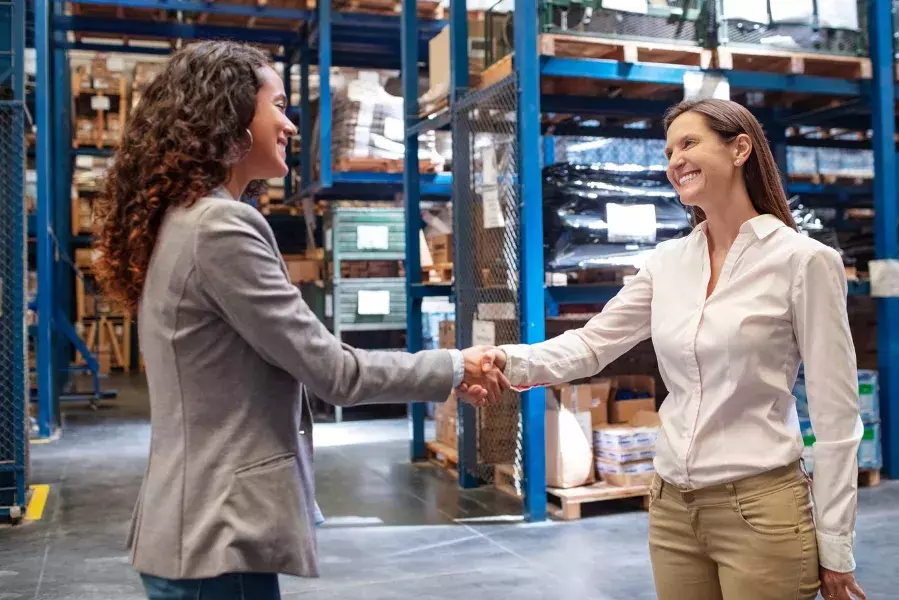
(484,382)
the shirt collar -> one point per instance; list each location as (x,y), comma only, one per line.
(762,226)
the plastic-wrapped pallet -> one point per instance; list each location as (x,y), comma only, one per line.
(367,123)
(604,215)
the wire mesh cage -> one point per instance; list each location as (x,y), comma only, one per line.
(12,307)
(486,201)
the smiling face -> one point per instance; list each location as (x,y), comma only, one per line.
(702,166)
(271,130)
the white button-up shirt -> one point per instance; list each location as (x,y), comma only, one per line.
(730,363)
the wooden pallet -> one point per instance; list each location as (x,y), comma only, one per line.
(831,179)
(440,273)
(354,164)
(280,209)
(425,9)
(592,47)
(630,51)
(443,456)
(868,478)
(770,60)
(252,22)
(432,109)
(601,276)
(570,500)
(507,479)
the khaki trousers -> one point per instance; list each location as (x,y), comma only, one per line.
(753,539)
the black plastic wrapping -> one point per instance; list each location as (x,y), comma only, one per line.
(575,205)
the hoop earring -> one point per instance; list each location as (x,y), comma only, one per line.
(250,133)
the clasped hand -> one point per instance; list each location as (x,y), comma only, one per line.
(484,382)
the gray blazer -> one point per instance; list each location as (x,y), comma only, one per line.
(230,349)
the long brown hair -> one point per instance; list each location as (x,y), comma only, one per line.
(179,145)
(729,119)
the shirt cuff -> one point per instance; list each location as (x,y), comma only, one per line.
(458,367)
(516,366)
(835,552)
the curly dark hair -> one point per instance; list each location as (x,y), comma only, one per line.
(179,145)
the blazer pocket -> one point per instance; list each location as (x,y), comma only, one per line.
(268,515)
(771,513)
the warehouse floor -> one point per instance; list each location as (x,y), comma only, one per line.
(394,530)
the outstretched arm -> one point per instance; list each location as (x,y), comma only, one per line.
(580,353)
(240,271)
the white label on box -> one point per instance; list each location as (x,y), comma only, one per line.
(884,276)
(100,102)
(84,162)
(372,237)
(641,7)
(329,239)
(792,11)
(838,14)
(483,333)
(699,85)
(493,211)
(489,162)
(373,302)
(115,63)
(329,305)
(631,223)
(745,10)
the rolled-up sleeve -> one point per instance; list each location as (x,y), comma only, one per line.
(624,322)
(822,331)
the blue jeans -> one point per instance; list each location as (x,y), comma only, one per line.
(231,586)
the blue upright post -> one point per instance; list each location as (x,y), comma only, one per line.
(62,203)
(324,103)
(885,217)
(305,120)
(549,150)
(412,190)
(45,250)
(458,24)
(533,324)
(288,64)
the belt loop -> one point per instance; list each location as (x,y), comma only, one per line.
(659,486)
(732,491)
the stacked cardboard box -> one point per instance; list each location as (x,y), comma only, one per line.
(302,269)
(624,454)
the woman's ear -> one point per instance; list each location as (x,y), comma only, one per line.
(742,149)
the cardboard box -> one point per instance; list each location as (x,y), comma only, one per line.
(446,421)
(441,247)
(626,474)
(447,339)
(624,407)
(302,270)
(439,59)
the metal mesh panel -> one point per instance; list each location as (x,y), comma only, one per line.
(12,306)
(809,38)
(486,207)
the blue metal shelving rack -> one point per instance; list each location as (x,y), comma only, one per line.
(13,383)
(536,300)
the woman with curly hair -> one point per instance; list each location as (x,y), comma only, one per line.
(229,346)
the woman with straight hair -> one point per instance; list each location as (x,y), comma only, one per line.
(230,348)
(732,310)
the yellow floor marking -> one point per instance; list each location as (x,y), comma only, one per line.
(38,501)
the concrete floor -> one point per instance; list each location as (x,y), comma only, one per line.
(394,530)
